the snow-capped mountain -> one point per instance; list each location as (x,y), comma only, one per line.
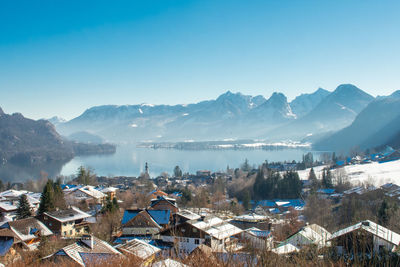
(304,103)
(334,112)
(231,115)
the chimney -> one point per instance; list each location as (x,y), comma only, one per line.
(88,241)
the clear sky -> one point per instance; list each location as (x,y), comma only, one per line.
(62,57)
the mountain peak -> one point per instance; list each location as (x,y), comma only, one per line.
(277,97)
(348,89)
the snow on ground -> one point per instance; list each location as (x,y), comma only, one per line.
(375,173)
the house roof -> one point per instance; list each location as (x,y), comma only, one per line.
(216,227)
(314,233)
(285,249)
(257,232)
(79,251)
(251,218)
(27,229)
(188,215)
(160,216)
(5,245)
(139,248)
(7,207)
(91,191)
(67,215)
(169,263)
(372,228)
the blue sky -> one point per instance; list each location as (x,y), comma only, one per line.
(61,57)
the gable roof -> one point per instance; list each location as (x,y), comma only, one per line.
(372,228)
(188,215)
(67,215)
(79,251)
(161,198)
(158,216)
(216,227)
(27,229)
(139,248)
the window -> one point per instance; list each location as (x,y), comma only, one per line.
(70,232)
(197,241)
(65,232)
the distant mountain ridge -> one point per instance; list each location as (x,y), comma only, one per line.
(231,115)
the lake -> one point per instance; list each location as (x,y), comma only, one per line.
(130,160)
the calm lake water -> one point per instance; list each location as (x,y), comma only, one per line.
(130,160)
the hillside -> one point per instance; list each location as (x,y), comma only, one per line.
(374,126)
(26,141)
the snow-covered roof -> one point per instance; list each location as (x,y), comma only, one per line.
(68,215)
(7,206)
(79,250)
(26,229)
(372,228)
(109,189)
(251,218)
(188,215)
(169,263)
(139,248)
(217,228)
(13,193)
(91,191)
(285,249)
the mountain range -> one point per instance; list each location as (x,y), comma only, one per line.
(314,117)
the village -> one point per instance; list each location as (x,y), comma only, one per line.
(203,219)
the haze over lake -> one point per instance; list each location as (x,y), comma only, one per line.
(130,160)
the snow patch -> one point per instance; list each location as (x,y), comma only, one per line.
(140,111)
(134,125)
(185,114)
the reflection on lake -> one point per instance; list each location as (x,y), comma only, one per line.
(130,160)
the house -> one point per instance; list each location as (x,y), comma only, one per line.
(325,192)
(184,216)
(164,203)
(366,237)
(309,235)
(214,232)
(256,238)
(8,211)
(12,197)
(28,231)
(67,223)
(110,191)
(203,173)
(139,249)
(157,193)
(89,250)
(144,223)
(88,194)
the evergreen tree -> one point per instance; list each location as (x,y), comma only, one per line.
(1,185)
(246,200)
(246,166)
(24,210)
(177,171)
(85,176)
(59,200)
(47,199)
(383,213)
(111,205)
(327,178)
